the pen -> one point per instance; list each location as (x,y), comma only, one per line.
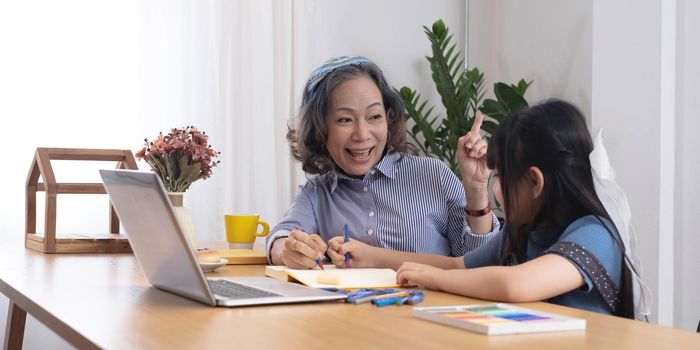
(346,239)
(413,299)
(393,295)
(387,301)
(360,298)
(363,299)
(319,263)
(364,295)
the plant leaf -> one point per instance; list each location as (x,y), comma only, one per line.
(509,97)
(462,94)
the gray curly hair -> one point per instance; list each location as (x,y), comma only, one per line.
(307,141)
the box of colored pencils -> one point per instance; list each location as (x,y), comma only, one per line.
(498,319)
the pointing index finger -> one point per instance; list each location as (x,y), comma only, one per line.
(478,120)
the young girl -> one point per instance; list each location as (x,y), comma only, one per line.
(558,244)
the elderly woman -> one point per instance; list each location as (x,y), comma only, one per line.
(351,135)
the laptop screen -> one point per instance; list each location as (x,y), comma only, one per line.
(159,244)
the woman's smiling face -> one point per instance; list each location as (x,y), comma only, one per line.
(357,126)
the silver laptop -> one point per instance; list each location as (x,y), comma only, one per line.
(166,258)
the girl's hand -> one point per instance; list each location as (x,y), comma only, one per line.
(423,275)
(300,250)
(471,157)
(361,254)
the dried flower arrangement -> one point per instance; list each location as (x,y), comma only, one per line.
(180,157)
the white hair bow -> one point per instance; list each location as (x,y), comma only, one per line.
(615,202)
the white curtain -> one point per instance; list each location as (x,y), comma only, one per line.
(227,68)
(69,77)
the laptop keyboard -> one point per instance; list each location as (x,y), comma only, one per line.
(233,290)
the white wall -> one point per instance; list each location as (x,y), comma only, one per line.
(633,69)
(687,277)
(627,78)
(390,32)
(546,41)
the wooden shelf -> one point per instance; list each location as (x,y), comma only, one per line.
(82,243)
(50,242)
(75,188)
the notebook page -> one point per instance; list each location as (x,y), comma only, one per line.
(347,278)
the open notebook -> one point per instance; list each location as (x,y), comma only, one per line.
(332,277)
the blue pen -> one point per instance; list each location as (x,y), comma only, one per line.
(365,295)
(360,293)
(346,239)
(364,299)
(413,299)
(319,263)
(360,298)
(387,301)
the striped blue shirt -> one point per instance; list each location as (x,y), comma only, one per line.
(406,203)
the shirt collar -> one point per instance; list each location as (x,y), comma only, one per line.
(388,167)
(389,164)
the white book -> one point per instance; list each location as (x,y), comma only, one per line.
(499,318)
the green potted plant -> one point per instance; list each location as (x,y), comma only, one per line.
(462,93)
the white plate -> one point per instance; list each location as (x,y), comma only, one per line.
(211,266)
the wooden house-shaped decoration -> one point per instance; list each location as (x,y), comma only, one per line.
(111,242)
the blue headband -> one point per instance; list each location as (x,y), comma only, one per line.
(323,71)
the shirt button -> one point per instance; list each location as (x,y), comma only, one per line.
(365,189)
(371,214)
(372,172)
(370,232)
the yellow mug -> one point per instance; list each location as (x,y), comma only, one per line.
(241,230)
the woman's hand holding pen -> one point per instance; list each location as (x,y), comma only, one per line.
(300,250)
(423,275)
(361,254)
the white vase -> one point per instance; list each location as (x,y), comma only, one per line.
(184,217)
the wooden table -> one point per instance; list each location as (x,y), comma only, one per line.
(104,301)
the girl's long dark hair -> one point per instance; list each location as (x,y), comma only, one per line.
(553,137)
